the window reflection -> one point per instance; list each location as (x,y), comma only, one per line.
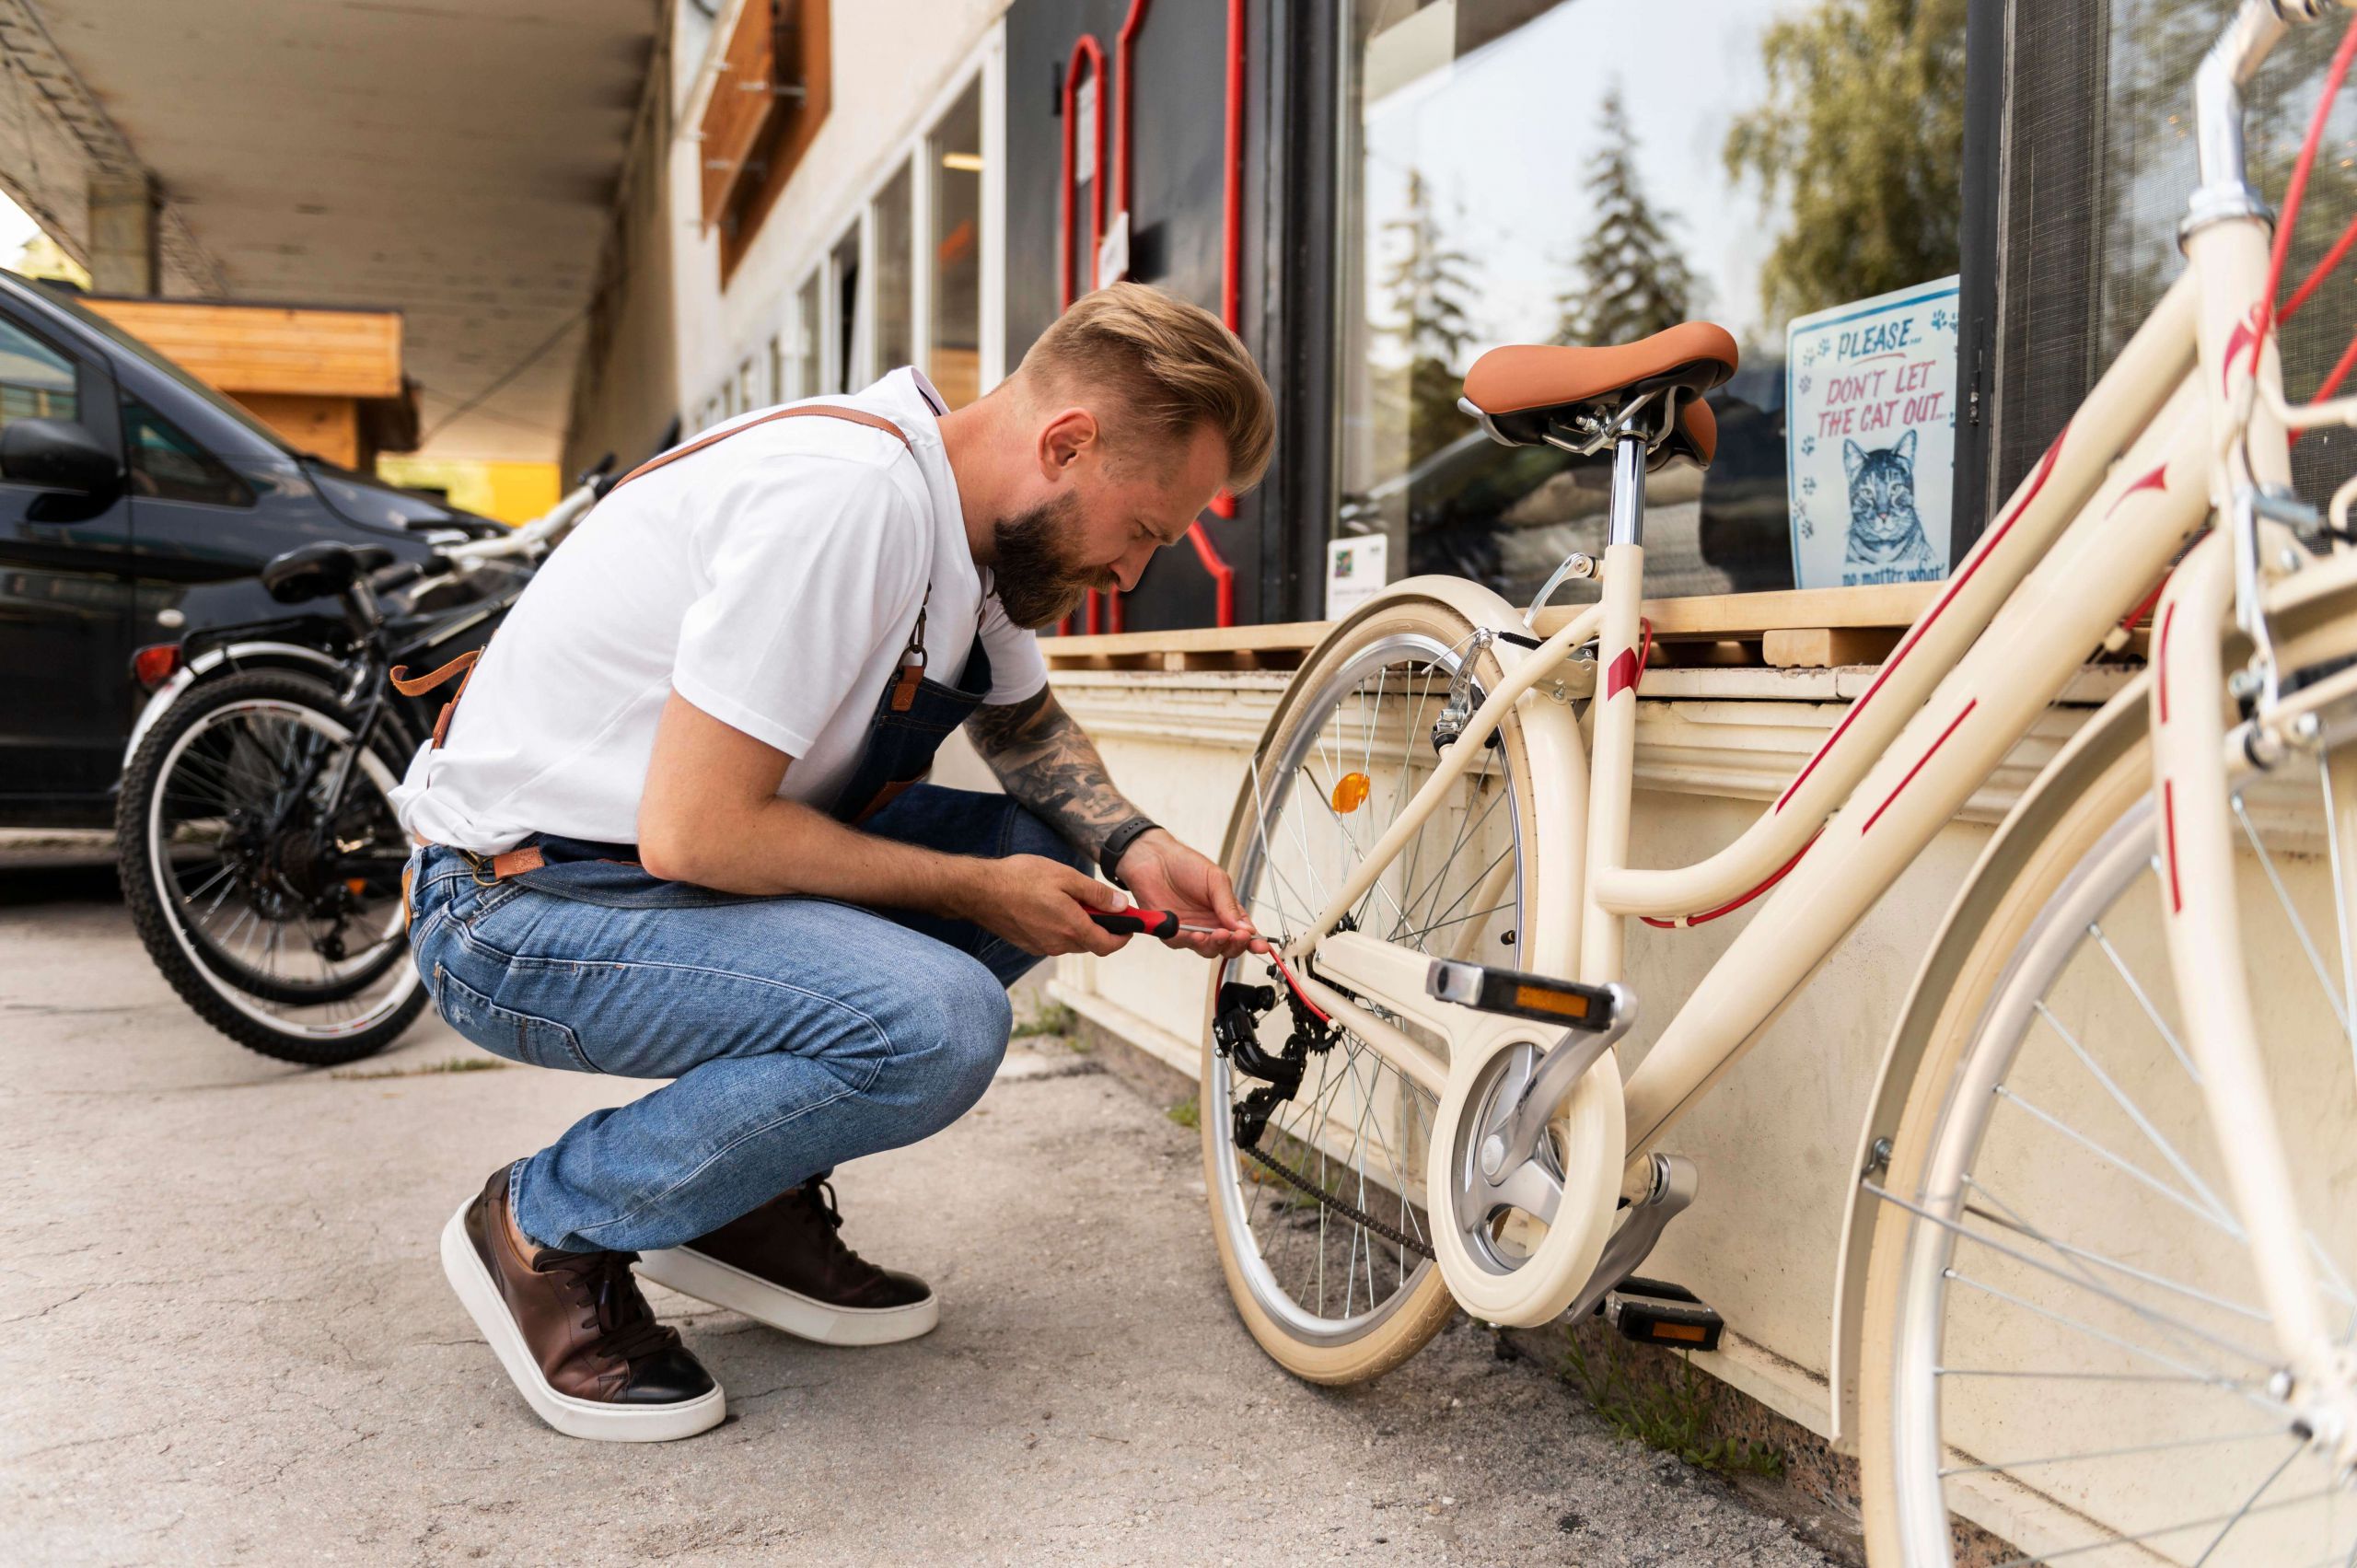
(169,466)
(806,383)
(894,342)
(845,263)
(953,359)
(36,381)
(2105,103)
(1518,171)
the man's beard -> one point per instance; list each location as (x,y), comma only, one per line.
(1033,573)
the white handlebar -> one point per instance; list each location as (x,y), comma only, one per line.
(532,537)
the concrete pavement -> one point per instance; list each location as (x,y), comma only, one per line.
(227,1339)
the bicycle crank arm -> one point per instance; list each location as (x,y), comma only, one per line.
(1598,1016)
(1672,1188)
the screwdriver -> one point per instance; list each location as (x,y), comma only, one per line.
(1151,923)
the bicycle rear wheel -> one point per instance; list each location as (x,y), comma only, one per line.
(1319,1211)
(279,923)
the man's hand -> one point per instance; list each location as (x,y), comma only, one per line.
(1041,905)
(1165,874)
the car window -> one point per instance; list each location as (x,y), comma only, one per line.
(168,466)
(36,381)
(226,407)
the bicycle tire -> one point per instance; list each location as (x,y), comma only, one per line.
(1418,1310)
(134,864)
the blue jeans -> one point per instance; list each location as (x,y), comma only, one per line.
(797,1033)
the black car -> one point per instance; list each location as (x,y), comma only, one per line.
(136,509)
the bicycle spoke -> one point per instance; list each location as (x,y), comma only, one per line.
(2167,1150)
(2244,1511)
(2203,1373)
(2137,990)
(2223,1222)
(2120,1453)
(2149,1314)
(2299,926)
(2299,1500)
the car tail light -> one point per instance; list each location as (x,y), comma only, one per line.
(156,664)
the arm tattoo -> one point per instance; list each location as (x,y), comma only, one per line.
(1046,760)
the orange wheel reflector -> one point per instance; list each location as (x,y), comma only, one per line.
(1350,792)
(358,885)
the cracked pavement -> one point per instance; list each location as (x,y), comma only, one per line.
(228,1338)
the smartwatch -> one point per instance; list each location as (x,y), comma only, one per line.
(1117,844)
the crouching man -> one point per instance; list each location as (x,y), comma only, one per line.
(677,828)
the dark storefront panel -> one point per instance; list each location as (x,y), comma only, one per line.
(1176,161)
(2100,161)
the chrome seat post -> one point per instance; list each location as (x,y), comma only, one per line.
(1627,524)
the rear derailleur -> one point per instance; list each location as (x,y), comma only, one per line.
(1236,1034)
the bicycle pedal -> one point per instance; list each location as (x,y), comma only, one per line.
(1654,1312)
(1488,989)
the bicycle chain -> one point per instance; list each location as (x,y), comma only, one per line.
(1342,1206)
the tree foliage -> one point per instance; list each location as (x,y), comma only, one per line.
(1861,133)
(1430,284)
(1631,279)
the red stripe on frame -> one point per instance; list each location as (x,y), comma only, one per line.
(1622,675)
(2156,480)
(2161,658)
(1733,904)
(2168,827)
(1918,768)
(1988,545)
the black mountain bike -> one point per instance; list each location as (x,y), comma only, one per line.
(256,841)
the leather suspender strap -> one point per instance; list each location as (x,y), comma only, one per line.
(913,667)
(804,410)
(410,685)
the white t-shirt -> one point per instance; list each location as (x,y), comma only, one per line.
(772,579)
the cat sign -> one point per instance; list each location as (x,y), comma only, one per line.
(1870,437)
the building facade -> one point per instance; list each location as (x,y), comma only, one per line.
(1974,198)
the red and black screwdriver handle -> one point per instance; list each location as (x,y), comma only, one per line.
(1138,922)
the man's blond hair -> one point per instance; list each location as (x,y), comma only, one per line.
(1172,365)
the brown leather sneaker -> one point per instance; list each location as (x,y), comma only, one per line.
(573,1333)
(785,1264)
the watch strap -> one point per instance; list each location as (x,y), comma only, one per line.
(1117,844)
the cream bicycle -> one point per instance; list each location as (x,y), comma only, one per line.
(2097,1279)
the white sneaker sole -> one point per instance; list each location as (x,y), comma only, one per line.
(576,1418)
(709,1279)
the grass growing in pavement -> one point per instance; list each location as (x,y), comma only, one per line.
(455,1065)
(1672,1408)
(1055,1018)
(1186,1113)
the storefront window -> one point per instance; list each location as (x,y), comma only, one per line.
(2105,103)
(890,218)
(955,357)
(807,344)
(844,264)
(1580,173)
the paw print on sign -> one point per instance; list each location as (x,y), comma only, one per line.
(1808,484)
(1808,445)
(1804,384)
(1942,320)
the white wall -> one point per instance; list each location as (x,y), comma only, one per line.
(896,64)
(1773,1142)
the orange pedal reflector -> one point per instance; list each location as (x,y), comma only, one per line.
(1351,792)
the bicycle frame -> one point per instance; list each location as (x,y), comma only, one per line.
(1944,711)
(2182,427)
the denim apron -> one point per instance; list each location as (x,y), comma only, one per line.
(914,713)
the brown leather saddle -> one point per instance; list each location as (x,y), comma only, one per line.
(1528,393)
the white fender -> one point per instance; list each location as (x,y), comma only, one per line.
(2118,726)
